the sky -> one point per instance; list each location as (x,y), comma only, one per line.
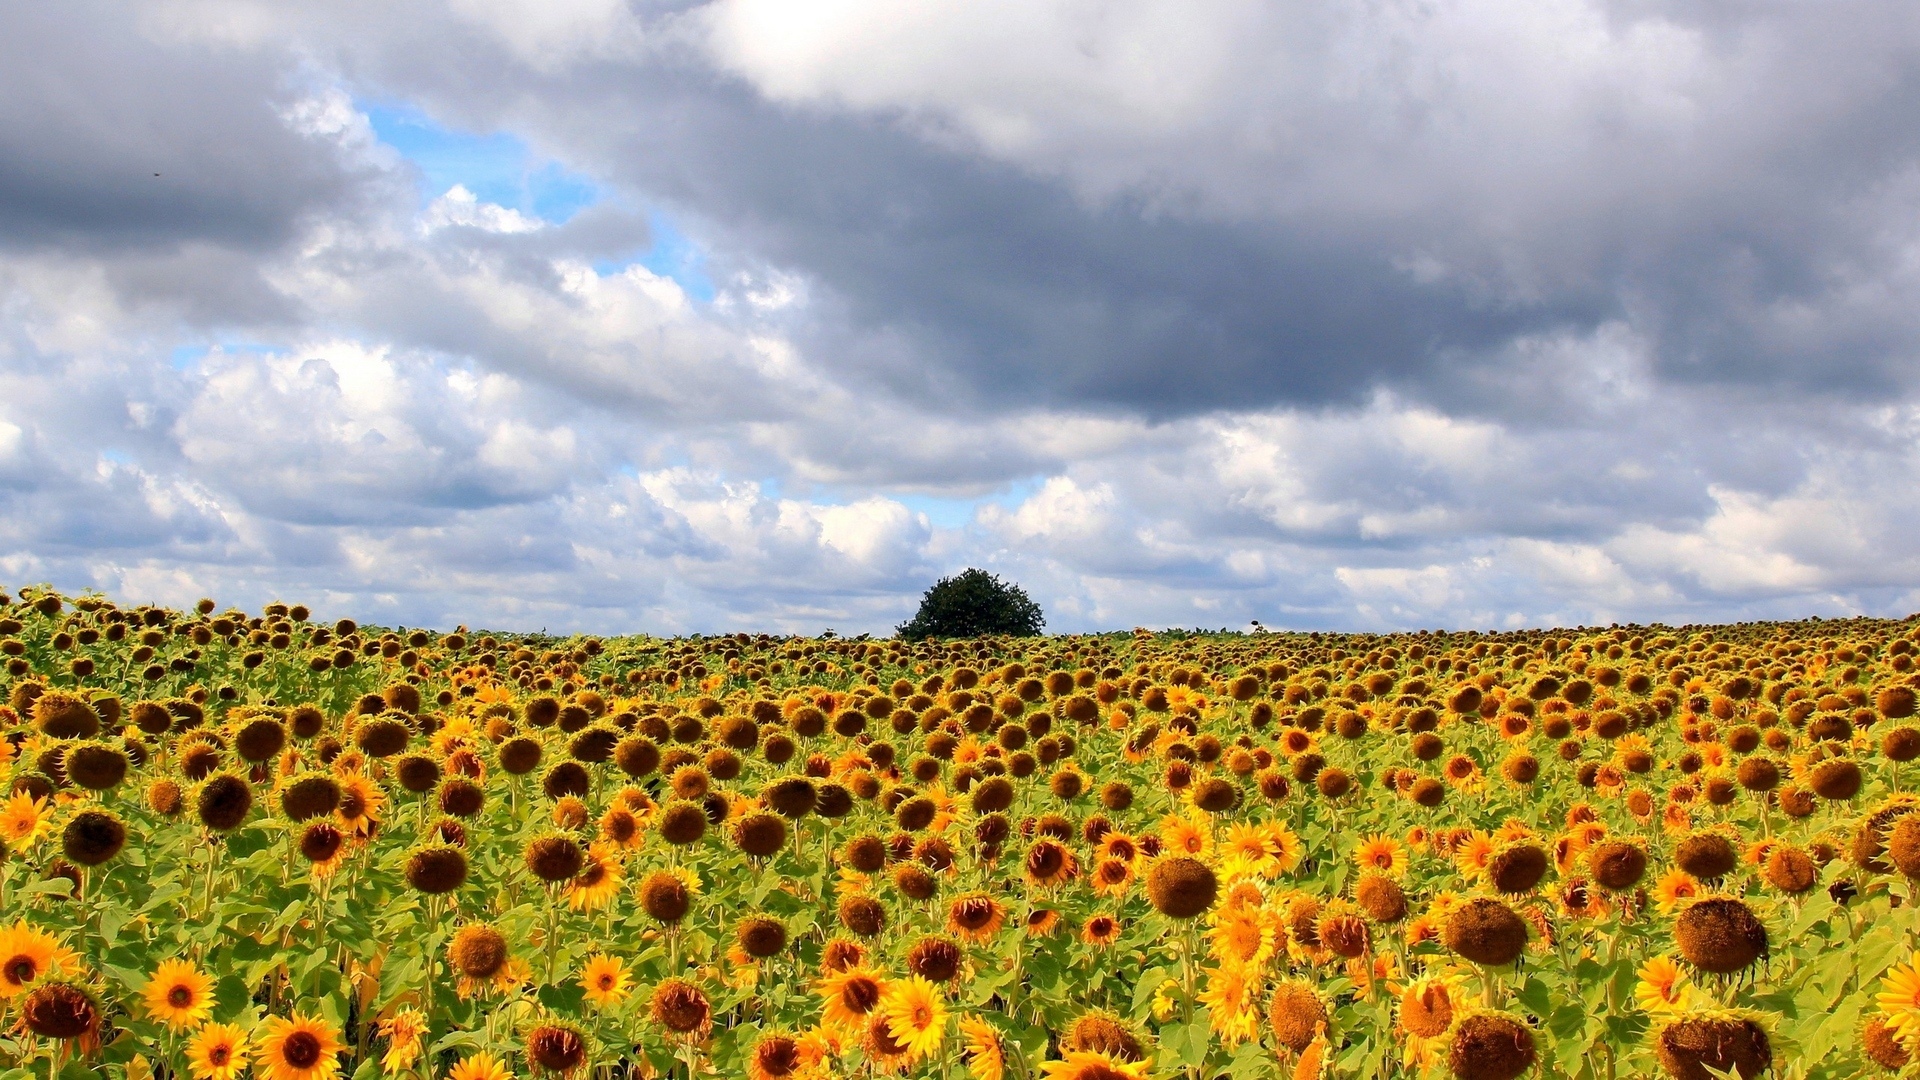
(679,316)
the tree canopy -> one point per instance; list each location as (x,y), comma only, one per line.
(974,603)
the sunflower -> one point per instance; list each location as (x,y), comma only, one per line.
(1247,853)
(849,996)
(1088,1065)
(1112,877)
(361,802)
(1050,863)
(1662,987)
(605,980)
(820,1045)
(324,847)
(1100,930)
(975,917)
(1186,836)
(1042,922)
(884,1054)
(1232,998)
(217,1052)
(1119,845)
(1676,819)
(1285,847)
(986,1060)
(27,955)
(1473,853)
(403,1030)
(1674,889)
(299,1048)
(1426,1011)
(481,1066)
(599,879)
(24,820)
(1899,998)
(1242,938)
(179,995)
(916,1016)
(1382,853)
(774,1057)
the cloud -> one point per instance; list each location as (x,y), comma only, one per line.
(704,315)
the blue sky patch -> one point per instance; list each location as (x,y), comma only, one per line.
(498,168)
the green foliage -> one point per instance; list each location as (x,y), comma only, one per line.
(974,603)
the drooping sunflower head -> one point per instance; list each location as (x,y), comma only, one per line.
(775,1056)
(93,836)
(680,1006)
(555,857)
(1729,1041)
(1181,887)
(436,868)
(1297,1012)
(478,951)
(761,936)
(556,1046)
(61,1009)
(1485,931)
(1102,1032)
(1490,1045)
(1720,935)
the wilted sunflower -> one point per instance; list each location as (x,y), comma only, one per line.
(556,1046)
(681,1007)
(64,1010)
(402,1030)
(1729,1041)
(1490,1045)
(179,995)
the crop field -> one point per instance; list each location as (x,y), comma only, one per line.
(264,844)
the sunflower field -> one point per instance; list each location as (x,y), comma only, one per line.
(264,845)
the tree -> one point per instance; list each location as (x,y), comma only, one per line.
(971,604)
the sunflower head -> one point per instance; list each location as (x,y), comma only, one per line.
(1490,1046)
(299,1048)
(1296,1014)
(61,1009)
(1729,1041)
(556,1046)
(1104,1032)
(1720,935)
(680,1006)
(1181,887)
(179,995)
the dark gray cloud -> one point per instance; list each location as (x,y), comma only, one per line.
(1734,185)
(111,140)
